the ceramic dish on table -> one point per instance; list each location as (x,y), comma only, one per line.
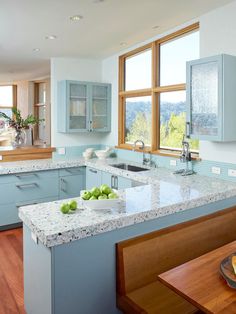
(227,271)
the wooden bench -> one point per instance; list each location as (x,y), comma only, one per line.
(141,259)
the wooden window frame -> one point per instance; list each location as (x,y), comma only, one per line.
(154,92)
(14,97)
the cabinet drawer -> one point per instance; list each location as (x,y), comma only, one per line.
(36,189)
(7,193)
(72,171)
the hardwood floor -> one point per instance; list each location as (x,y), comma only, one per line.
(11,272)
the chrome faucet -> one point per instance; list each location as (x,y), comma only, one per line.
(140,147)
(146,161)
(185,157)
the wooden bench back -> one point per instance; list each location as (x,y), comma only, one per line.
(141,259)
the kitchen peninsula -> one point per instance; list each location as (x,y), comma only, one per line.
(70,259)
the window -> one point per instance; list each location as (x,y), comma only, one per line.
(138,119)
(152,97)
(7,101)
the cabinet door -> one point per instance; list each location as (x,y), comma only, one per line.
(107,178)
(77,106)
(93,178)
(204,89)
(124,183)
(70,186)
(100,97)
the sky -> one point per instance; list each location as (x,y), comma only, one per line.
(173,57)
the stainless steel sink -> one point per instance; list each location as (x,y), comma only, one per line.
(129,167)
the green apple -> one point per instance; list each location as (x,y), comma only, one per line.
(73,205)
(86,195)
(65,208)
(95,191)
(93,198)
(102,197)
(105,189)
(112,195)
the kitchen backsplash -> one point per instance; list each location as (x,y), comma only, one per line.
(203,167)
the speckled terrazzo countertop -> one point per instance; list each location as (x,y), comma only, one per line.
(163,194)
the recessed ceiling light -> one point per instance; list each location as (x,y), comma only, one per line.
(123,44)
(155,27)
(51,37)
(36,49)
(98,1)
(75,18)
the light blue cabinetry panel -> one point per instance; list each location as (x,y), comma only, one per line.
(84,107)
(72,181)
(211,94)
(116,182)
(25,189)
(93,178)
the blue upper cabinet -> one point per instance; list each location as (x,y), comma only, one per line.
(84,107)
(211,98)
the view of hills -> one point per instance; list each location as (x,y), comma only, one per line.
(166,110)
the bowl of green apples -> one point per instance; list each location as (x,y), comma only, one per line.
(102,197)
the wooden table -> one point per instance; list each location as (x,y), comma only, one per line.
(199,282)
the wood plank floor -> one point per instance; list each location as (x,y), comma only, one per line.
(11,272)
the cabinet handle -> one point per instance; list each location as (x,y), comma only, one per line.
(187,130)
(112,182)
(63,185)
(116,182)
(27,186)
(25,175)
(93,171)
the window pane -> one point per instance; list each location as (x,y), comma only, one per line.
(173,57)
(138,119)
(6,96)
(138,71)
(172,120)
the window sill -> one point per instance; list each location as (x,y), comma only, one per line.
(161,152)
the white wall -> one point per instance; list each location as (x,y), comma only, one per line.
(72,69)
(218,35)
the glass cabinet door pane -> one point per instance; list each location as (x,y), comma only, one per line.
(204,99)
(77,106)
(99,107)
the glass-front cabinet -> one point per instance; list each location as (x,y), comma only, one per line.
(84,107)
(211,98)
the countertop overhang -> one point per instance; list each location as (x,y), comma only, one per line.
(163,193)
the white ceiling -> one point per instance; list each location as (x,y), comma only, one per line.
(25,23)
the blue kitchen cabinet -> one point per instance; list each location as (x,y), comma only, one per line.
(71,182)
(84,107)
(211,95)
(93,178)
(116,182)
(22,189)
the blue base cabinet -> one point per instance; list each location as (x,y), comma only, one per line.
(93,178)
(30,188)
(72,181)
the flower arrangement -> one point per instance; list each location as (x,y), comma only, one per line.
(17,122)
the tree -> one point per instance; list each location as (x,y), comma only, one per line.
(171,132)
(140,129)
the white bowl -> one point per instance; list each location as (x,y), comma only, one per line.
(101,154)
(87,155)
(116,203)
(89,150)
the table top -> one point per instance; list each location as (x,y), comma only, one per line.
(199,282)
